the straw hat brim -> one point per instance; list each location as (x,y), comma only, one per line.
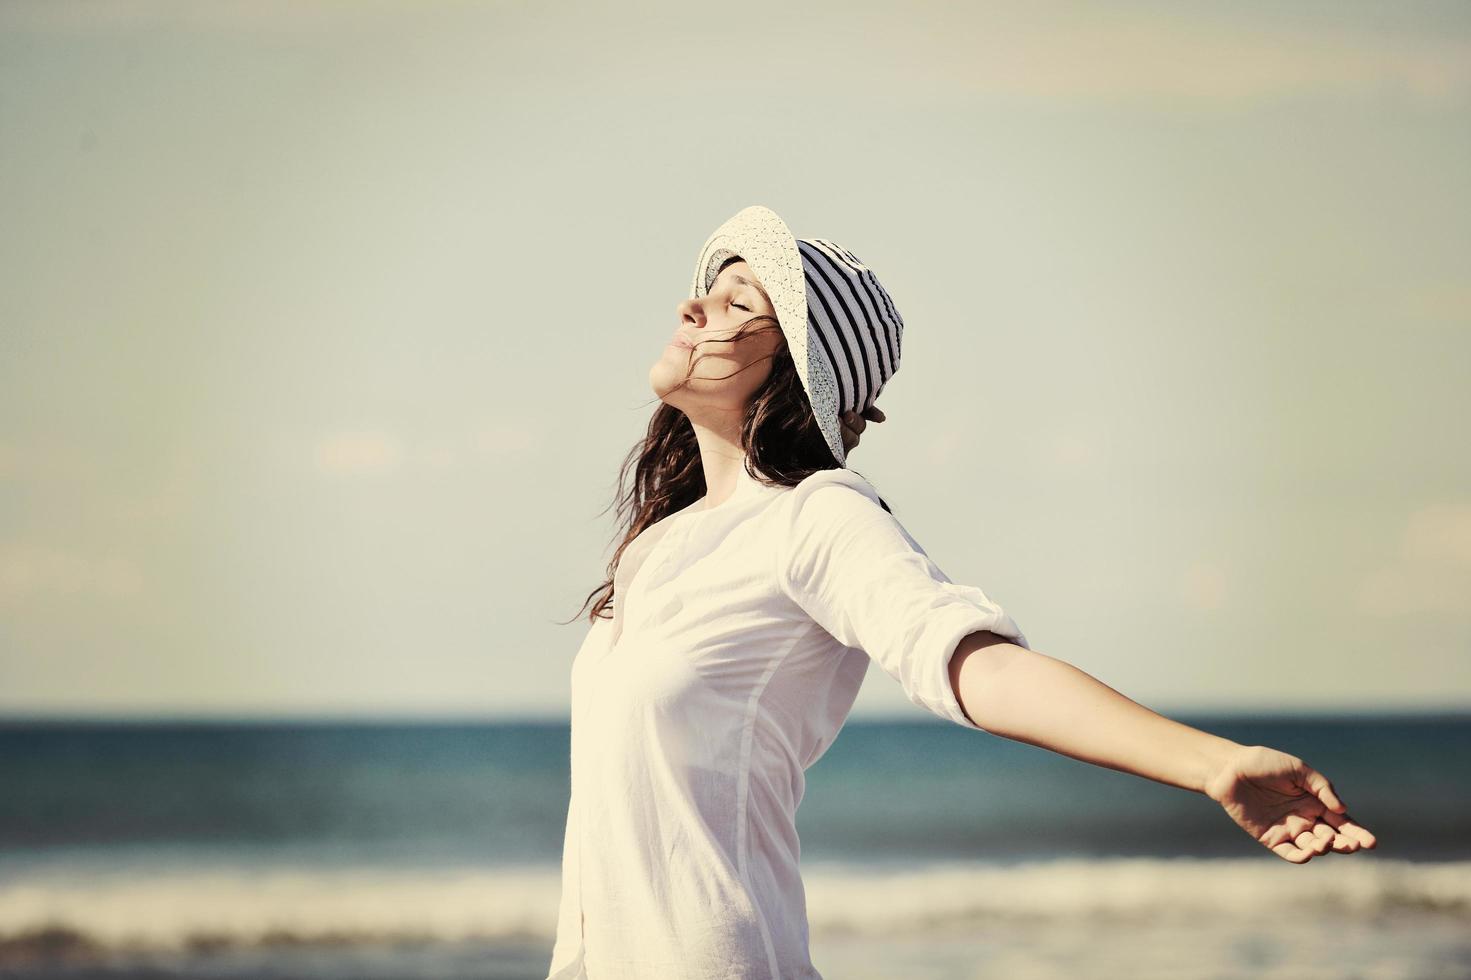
(760,237)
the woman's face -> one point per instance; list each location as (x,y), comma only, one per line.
(723,374)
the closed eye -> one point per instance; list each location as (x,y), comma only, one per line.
(740,307)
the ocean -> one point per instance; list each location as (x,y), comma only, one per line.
(332,850)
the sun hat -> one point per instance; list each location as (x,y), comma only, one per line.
(841,326)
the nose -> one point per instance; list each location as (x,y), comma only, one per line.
(691,311)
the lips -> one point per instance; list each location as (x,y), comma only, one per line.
(680,340)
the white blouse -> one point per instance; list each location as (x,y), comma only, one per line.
(740,637)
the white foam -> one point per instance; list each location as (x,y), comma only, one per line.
(175,906)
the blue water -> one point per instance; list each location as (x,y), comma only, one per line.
(366,849)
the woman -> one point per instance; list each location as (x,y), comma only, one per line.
(757,578)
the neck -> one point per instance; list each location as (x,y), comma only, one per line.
(722,460)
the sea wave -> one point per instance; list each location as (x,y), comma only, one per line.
(47,911)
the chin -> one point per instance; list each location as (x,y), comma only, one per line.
(665,375)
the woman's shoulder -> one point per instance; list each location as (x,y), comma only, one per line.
(831,493)
(839,477)
(834,515)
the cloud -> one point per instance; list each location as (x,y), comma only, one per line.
(46,462)
(506,438)
(1104,54)
(357,453)
(493,443)
(268,18)
(28,571)
(371,452)
(1203,586)
(1432,572)
(941,447)
(934,52)
(1082,445)
(1439,535)
(1441,301)
(1074,452)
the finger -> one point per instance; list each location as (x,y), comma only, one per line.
(1288,852)
(1312,840)
(1325,836)
(1309,841)
(874,414)
(1345,825)
(1318,785)
(1285,832)
(1276,836)
(1297,825)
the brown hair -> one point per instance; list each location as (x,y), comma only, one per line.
(779,437)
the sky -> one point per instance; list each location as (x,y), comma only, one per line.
(324,328)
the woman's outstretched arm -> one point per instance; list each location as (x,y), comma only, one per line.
(1286,805)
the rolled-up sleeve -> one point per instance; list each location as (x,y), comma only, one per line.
(852,567)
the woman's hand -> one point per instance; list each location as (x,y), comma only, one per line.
(853,425)
(1288,806)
